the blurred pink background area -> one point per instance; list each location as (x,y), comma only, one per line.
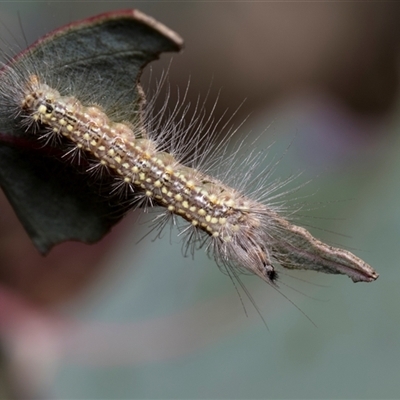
(323,76)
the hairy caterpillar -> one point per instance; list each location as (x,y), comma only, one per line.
(238,228)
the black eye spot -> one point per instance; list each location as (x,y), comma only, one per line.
(272,275)
(49,108)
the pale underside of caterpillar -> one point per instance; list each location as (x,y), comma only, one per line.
(237,229)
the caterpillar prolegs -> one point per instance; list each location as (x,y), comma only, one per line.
(239,229)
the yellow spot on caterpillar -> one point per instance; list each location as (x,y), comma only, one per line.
(142,176)
(127,179)
(208,218)
(135,169)
(192,208)
(157,184)
(230,203)
(214,220)
(195,223)
(178,197)
(213,197)
(86,136)
(149,193)
(222,221)
(102,148)
(70,128)
(111,152)
(117,159)
(215,234)
(185,204)
(42,109)
(190,184)
(164,190)
(171,208)
(93,142)
(202,212)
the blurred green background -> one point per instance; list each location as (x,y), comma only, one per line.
(148,323)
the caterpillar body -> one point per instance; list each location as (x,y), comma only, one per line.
(238,229)
(241,232)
